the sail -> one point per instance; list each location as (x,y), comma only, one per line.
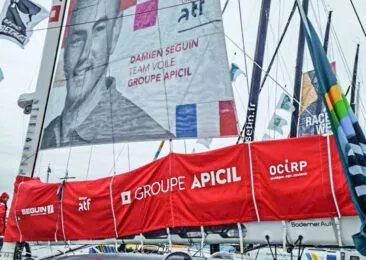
(313,116)
(237,184)
(140,71)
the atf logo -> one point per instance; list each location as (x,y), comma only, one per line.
(84,204)
(36,211)
(288,169)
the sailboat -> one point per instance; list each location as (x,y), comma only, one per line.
(201,173)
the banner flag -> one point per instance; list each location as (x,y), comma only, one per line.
(276,123)
(205,142)
(235,72)
(349,136)
(266,137)
(285,103)
(315,119)
(18,19)
(158,71)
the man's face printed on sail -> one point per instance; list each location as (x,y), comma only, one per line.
(91,39)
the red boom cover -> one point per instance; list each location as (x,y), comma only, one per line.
(274,180)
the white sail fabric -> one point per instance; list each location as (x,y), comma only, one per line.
(145,70)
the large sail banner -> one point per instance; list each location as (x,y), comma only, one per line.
(140,70)
(18,19)
(313,116)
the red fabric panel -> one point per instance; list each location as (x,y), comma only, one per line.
(87,211)
(340,183)
(148,208)
(36,208)
(228,124)
(12,233)
(292,179)
(2,217)
(207,202)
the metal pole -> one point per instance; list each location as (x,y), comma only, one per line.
(358,18)
(278,46)
(354,79)
(249,126)
(326,37)
(320,103)
(298,74)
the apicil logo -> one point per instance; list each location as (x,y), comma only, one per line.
(288,169)
(126,197)
(202,180)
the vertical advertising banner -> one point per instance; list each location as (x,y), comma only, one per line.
(18,19)
(140,70)
(313,116)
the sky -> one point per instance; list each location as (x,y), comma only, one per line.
(21,70)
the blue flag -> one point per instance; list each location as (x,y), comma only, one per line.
(235,72)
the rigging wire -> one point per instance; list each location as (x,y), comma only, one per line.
(317,17)
(89,162)
(269,75)
(338,44)
(111,108)
(358,18)
(278,45)
(111,18)
(225,5)
(243,42)
(277,60)
(117,158)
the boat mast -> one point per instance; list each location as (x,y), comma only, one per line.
(278,45)
(327,30)
(354,79)
(298,73)
(325,47)
(247,132)
(37,102)
(39,99)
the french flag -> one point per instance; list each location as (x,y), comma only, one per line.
(211,119)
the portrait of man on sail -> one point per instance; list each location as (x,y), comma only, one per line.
(94,111)
(120,79)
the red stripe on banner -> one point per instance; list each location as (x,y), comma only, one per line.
(286,172)
(55,14)
(227,118)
